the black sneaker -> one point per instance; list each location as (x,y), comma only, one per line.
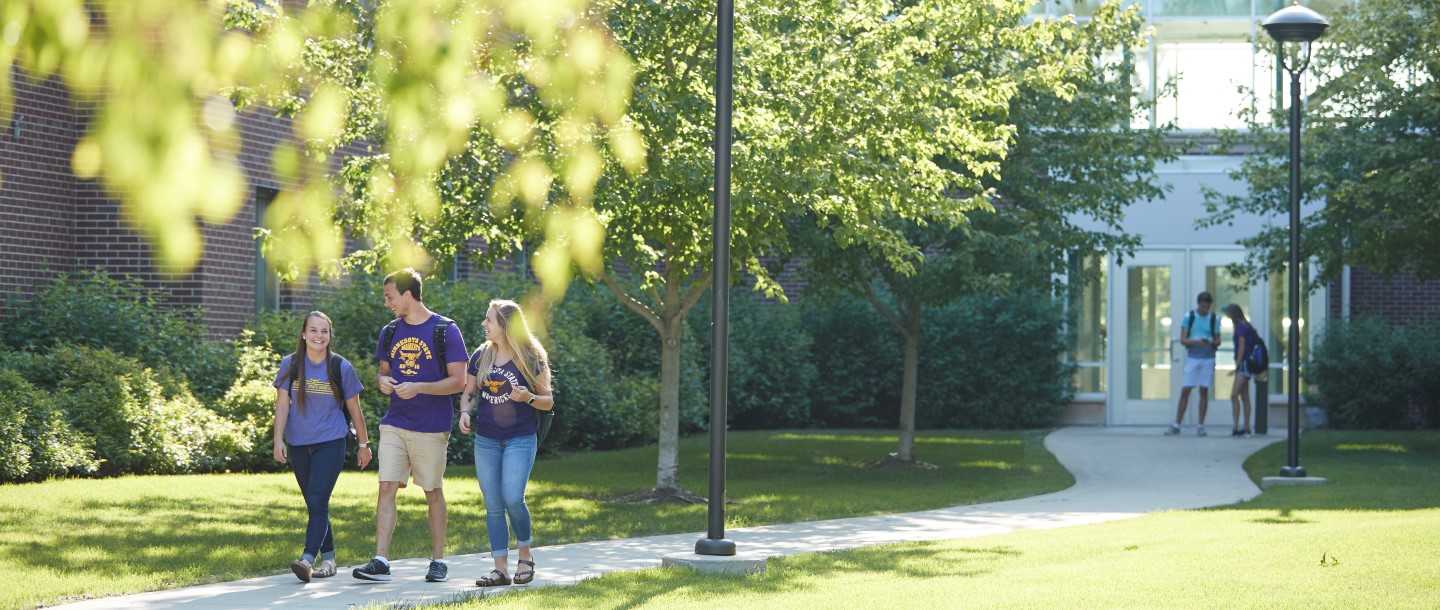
(438,572)
(375,570)
(1235,433)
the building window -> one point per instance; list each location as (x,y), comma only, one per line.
(1087,316)
(267,285)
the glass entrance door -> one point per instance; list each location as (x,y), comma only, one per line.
(1147,381)
(1155,291)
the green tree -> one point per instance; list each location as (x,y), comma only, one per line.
(841,112)
(1072,155)
(1369,151)
(413,80)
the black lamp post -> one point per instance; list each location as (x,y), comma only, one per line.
(1294,23)
(714,542)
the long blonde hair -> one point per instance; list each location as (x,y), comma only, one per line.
(530,356)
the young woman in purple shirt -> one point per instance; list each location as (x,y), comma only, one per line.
(509,380)
(310,432)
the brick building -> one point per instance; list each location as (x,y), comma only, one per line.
(55,222)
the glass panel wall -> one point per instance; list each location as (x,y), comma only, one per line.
(1226,288)
(1148,329)
(1089,291)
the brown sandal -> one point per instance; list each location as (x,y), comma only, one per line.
(523,577)
(489,580)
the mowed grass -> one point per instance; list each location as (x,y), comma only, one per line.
(1367,539)
(75,539)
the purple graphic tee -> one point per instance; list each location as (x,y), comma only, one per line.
(322,420)
(412,358)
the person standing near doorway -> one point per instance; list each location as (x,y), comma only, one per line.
(1200,334)
(422,363)
(1245,340)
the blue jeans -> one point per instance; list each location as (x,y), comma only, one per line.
(503,468)
(317,467)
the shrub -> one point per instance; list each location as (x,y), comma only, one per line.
(993,362)
(1368,374)
(98,311)
(140,420)
(772,371)
(858,384)
(36,443)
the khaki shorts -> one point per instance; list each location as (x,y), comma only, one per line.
(403,452)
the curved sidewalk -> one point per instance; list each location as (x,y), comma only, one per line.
(1119,473)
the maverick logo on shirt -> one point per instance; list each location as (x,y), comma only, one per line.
(492,386)
(409,351)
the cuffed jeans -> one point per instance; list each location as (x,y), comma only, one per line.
(317,467)
(503,468)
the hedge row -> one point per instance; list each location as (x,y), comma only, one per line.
(111,384)
(1368,374)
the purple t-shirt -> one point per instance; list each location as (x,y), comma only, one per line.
(322,420)
(412,358)
(496,415)
(1244,329)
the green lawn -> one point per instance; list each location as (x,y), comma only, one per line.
(1376,525)
(86,538)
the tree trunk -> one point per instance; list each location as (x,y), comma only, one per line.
(667,473)
(906,452)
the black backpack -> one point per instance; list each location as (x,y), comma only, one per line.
(336,387)
(388,337)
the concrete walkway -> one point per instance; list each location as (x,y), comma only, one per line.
(1119,473)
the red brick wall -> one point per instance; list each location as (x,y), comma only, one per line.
(1403,299)
(54,223)
(37,205)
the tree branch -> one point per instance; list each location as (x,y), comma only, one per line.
(692,296)
(630,302)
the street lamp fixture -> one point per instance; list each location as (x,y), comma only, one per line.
(715,542)
(1294,24)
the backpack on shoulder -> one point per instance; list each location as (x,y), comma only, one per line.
(1214,324)
(1259,359)
(332,370)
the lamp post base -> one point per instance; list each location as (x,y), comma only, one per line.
(717,546)
(1292,471)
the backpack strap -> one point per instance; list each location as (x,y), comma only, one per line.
(442,325)
(337,381)
(1190,321)
(387,335)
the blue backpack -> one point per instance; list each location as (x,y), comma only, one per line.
(1259,359)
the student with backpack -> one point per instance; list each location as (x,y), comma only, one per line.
(1248,347)
(316,392)
(422,364)
(1200,334)
(509,382)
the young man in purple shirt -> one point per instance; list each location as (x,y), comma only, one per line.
(416,430)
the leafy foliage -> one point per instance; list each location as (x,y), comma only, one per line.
(140,420)
(772,366)
(36,443)
(994,363)
(98,311)
(1368,150)
(1368,374)
(412,80)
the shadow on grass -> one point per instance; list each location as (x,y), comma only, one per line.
(1284,518)
(1366,470)
(912,563)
